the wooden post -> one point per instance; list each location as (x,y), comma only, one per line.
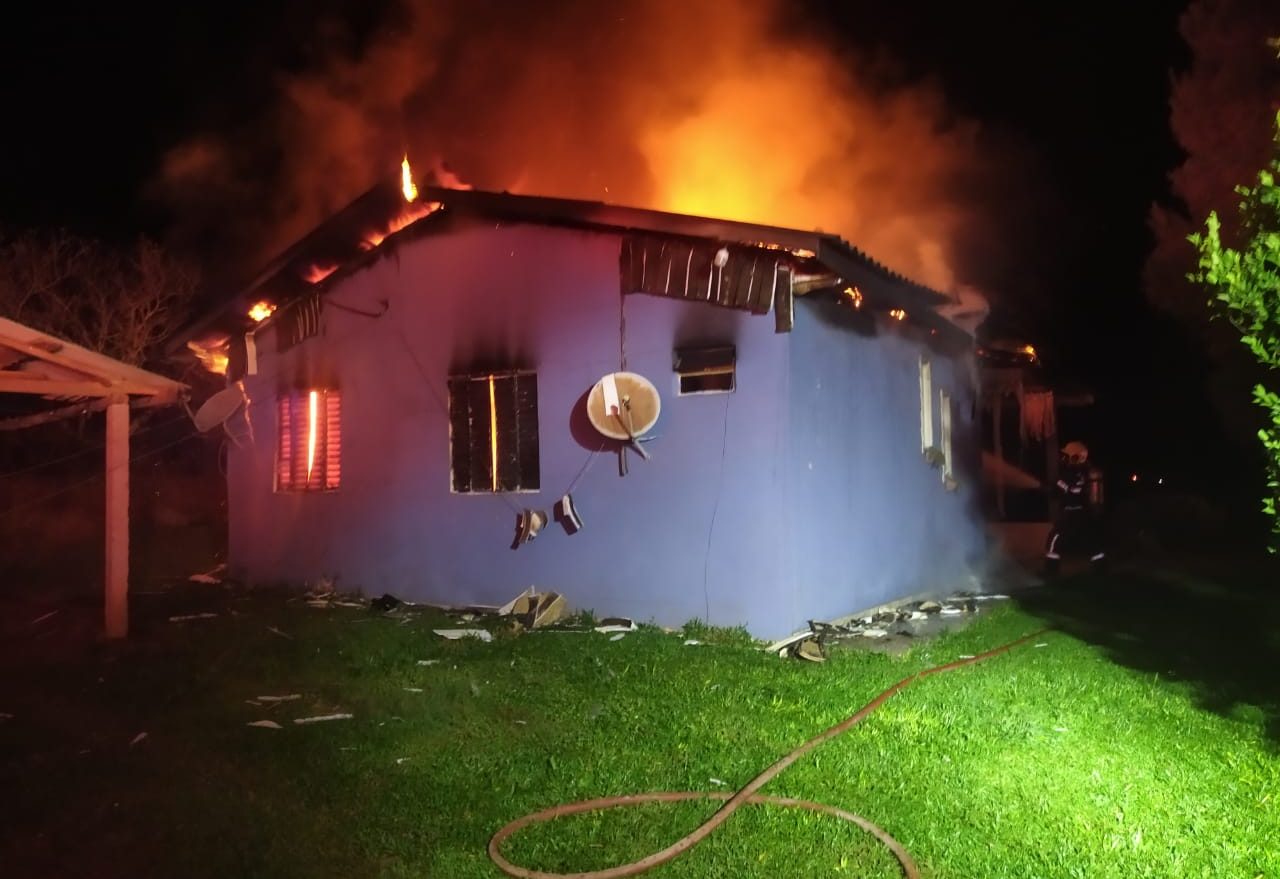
(117,549)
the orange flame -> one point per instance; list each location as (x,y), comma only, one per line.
(410,215)
(311,433)
(318,272)
(262,310)
(897,314)
(854,295)
(493,435)
(407,186)
(212,354)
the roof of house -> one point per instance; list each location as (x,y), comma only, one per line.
(343,242)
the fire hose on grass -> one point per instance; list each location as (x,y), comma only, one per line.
(733,801)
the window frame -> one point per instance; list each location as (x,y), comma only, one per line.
(946,429)
(477,400)
(705,362)
(292,441)
(926,406)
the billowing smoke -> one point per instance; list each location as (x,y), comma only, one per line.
(721,108)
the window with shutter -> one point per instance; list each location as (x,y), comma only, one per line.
(493,432)
(309,441)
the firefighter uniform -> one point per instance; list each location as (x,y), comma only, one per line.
(1077,530)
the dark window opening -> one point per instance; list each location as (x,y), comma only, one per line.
(706,370)
(493,432)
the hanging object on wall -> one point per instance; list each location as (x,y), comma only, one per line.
(624,406)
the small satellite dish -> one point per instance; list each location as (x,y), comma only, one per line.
(217,409)
(623,406)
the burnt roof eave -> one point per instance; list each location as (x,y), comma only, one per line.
(371,209)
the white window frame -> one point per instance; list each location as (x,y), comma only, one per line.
(944,426)
(926,405)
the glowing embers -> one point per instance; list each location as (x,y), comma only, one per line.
(261,310)
(853,296)
(309,441)
(897,314)
(213,352)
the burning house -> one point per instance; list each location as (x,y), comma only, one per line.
(452,395)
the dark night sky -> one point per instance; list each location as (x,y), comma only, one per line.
(93,95)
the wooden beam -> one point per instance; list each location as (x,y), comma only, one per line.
(13,382)
(117,547)
(54,350)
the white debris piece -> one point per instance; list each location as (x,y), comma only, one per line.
(401,760)
(456,634)
(43,617)
(321,718)
(290,697)
(428,661)
(1043,644)
(717,782)
(619,636)
(993,597)
(192,616)
(414,690)
(139,737)
(264,724)
(874,633)
(692,642)
(951,611)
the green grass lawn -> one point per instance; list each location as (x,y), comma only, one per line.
(1062,760)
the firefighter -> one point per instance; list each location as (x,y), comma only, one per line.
(1077,529)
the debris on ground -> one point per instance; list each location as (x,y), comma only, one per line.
(44,616)
(692,642)
(892,626)
(533,609)
(428,662)
(386,603)
(291,697)
(187,617)
(212,577)
(264,724)
(809,650)
(321,718)
(138,738)
(414,690)
(401,760)
(717,782)
(616,624)
(619,636)
(456,634)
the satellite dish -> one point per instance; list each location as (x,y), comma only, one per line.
(217,409)
(623,406)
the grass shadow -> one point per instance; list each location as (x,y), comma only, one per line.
(1213,626)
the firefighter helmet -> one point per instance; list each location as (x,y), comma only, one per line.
(1076,452)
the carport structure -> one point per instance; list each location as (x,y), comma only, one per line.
(40,365)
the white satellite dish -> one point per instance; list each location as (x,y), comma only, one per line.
(217,409)
(623,406)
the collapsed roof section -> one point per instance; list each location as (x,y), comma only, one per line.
(730,263)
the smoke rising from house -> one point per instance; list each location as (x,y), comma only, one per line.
(722,108)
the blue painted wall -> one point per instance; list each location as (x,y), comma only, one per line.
(725,523)
(873,520)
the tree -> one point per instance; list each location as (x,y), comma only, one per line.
(1245,284)
(121,302)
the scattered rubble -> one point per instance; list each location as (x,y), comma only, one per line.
(321,718)
(889,625)
(456,634)
(533,609)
